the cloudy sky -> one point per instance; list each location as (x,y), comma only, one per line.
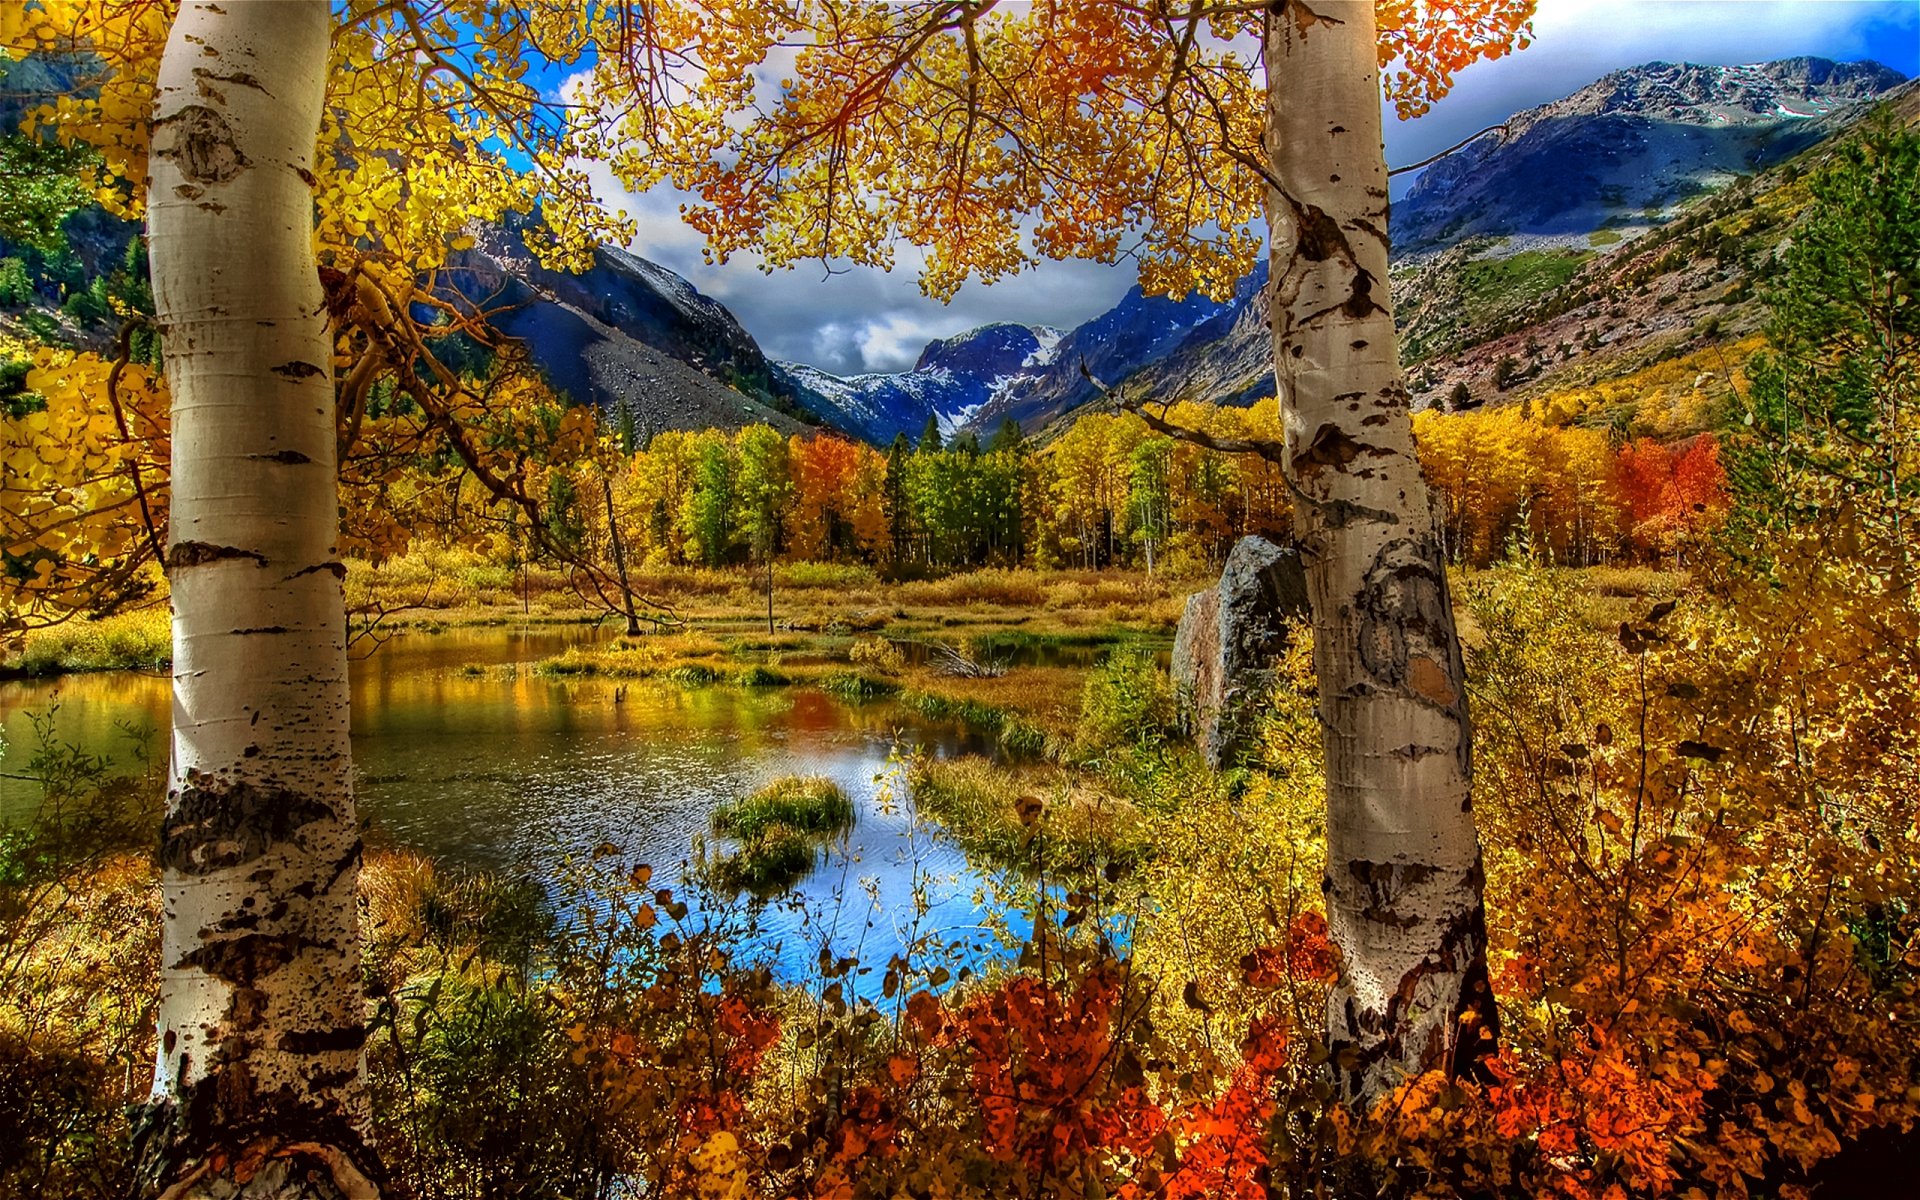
(864,320)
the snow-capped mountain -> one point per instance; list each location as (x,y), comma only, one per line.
(1624,151)
(953,381)
(981,378)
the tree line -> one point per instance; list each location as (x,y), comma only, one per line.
(1110,491)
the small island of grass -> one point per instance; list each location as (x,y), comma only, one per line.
(779,829)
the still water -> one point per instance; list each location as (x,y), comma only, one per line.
(466,754)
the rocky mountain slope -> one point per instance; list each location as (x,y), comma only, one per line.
(629,332)
(1624,152)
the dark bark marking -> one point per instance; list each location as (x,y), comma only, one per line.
(1338,514)
(258,629)
(214,825)
(199,142)
(1474,1020)
(291,458)
(1370,229)
(297,369)
(324,1041)
(194,554)
(1330,446)
(224,1119)
(337,569)
(1403,622)
(241,960)
(237,78)
(1320,237)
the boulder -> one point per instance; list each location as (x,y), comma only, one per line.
(1229,638)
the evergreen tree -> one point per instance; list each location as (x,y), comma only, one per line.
(930,436)
(1833,417)
(1007,438)
(895,498)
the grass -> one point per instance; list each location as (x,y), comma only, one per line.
(779,830)
(856,687)
(999,815)
(766,867)
(1495,285)
(128,641)
(802,803)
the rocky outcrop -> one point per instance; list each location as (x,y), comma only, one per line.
(1229,637)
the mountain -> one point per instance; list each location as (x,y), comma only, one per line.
(630,332)
(980,378)
(1572,243)
(1511,228)
(952,382)
(1624,151)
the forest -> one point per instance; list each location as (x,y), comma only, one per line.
(417,781)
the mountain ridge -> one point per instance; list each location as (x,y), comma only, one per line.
(1482,240)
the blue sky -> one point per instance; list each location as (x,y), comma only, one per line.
(866,320)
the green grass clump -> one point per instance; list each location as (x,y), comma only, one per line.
(693,675)
(779,829)
(799,803)
(761,675)
(971,713)
(854,687)
(771,865)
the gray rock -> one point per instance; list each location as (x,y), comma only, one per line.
(1228,640)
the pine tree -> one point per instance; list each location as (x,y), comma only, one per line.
(1008,438)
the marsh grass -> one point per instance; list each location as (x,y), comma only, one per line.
(801,803)
(1009,818)
(127,641)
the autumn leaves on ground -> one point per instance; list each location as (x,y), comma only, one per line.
(1645,926)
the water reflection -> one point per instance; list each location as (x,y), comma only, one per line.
(464,753)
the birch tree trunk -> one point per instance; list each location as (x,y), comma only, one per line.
(1403,881)
(257,1086)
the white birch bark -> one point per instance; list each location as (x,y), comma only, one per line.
(257,1084)
(1403,881)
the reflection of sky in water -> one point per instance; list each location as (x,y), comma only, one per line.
(506,770)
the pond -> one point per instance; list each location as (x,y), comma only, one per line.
(464,753)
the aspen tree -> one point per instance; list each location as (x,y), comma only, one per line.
(1403,881)
(260,1023)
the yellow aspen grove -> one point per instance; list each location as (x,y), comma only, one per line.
(260,1028)
(1147,128)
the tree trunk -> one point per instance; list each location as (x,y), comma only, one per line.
(257,1084)
(628,610)
(1403,881)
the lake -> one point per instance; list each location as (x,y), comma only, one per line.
(464,753)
